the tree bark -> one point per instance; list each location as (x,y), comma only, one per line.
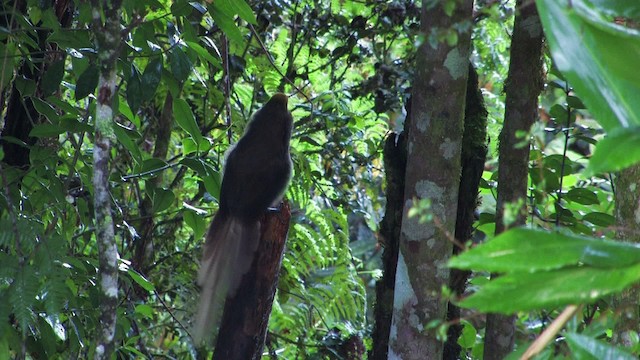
(523,86)
(108,43)
(433,172)
(395,164)
(143,247)
(627,198)
(246,315)
(474,152)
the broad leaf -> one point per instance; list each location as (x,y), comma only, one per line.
(529,250)
(616,151)
(162,199)
(134,90)
(184,117)
(585,347)
(523,291)
(52,78)
(87,82)
(180,64)
(151,78)
(140,280)
(594,54)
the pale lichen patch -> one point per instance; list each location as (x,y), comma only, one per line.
(449,148)
(456,63)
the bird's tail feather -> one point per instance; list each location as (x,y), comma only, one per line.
(228,255)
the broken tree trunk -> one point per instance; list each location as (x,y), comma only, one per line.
(246,314)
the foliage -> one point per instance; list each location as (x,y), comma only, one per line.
(545,269)
(208,66)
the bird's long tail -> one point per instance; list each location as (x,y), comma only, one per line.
(228,254)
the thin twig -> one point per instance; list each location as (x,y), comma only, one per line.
(550,333)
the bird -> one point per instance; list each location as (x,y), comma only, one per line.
(256,174)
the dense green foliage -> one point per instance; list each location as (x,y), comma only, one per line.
(209,66)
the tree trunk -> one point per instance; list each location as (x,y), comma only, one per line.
(627,198)
(523,86)
(246,315)
(433,172)
(474,152)
(108,43)
(395,164)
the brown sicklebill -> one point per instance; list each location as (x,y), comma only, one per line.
(256,175)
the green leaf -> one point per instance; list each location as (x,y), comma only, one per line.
(162,199)
(180,64)
(185,119)
(151,78)
(239,7)
(468,337)
(153,166)
(575,102)
(204,54)
(616,151)
(585,347)
(134,90)
(76,39)
(46,130)
(124,138)
(144,310)
(213,182)
(26,87)
(74,126)
(196,223)
(594,54)
(87,82)
(527,250)
(140,280)
(524,291)
(224,18)
(582,196)
(599,219)
(52,78)
(45,109)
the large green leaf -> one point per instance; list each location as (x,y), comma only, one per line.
(596,56)
(87,82)
(151,78)
(180,64)
(523,291)
(52,78)
(585,347)
(530,250)
(616,151)
(187,121)
(224,17)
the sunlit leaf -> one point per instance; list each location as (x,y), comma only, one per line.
(531,250)
(594,54)
(140,280)
(616,151)
(522,291)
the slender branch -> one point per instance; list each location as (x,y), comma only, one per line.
(550,333)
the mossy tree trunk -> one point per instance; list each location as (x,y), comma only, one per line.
(434,141)
(523,86)
(106,28)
